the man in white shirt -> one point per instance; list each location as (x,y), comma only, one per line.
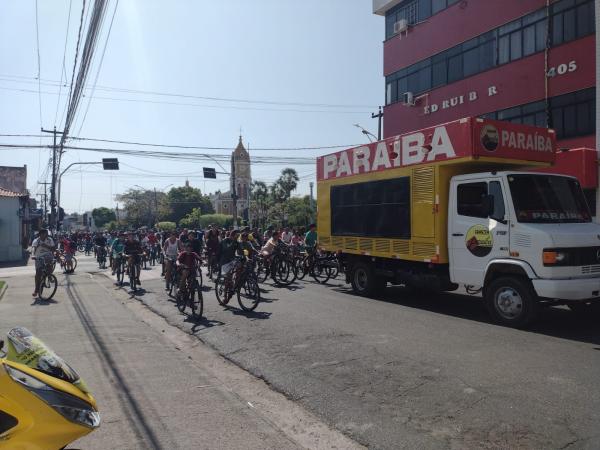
(286,236)
(43,248)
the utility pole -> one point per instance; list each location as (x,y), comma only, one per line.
(378,116)
(233,192)
(53,202)
(45,199)
(155,208)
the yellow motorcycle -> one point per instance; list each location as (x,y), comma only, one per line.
(44,404)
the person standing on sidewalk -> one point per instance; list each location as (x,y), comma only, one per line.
(43,250)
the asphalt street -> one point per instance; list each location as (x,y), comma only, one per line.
(154,388)
(403,371)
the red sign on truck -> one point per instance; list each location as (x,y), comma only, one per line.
(464,138)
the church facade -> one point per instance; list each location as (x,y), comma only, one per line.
(240,166)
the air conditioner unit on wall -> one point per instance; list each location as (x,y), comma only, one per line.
(408,98)
(401,26)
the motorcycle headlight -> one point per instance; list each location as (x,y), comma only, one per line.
(69,406)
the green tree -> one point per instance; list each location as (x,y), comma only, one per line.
(197,220)
(259,202)
(166,226)
(183,200)
(299,211)
(143,207)
(102,216)
(288,182)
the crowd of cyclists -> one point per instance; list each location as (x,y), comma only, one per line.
(236,260)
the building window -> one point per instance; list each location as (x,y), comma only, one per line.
(413,11)
(571,115)
(569,19)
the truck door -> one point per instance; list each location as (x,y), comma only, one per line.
(477,228)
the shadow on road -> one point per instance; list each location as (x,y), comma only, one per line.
(202,324)
(554,321)
(40,302)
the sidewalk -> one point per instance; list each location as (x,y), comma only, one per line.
(151,393)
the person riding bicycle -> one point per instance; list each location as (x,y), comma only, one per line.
(116,251)
(133,253)
(310,239)
(271,244)
(171,249)
(189,261)
(228,249)
(69,249)
(100,243)
(43,250)
(246,245)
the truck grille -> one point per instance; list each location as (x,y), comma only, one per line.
(588,270)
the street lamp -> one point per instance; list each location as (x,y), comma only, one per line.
(366,132)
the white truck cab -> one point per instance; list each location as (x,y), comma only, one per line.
(523,239)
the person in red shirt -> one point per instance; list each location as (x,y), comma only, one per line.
(189,261)
(69,251)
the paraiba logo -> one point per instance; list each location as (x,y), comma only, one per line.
(489,138)
(479,240)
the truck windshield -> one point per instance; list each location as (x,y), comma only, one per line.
(548,199)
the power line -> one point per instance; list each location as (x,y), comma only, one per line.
(63,71)
(39,63)
(198,105)
(99,67)
(200,97)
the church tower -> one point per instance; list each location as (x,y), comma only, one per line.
(240,161)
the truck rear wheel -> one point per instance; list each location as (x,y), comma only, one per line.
(511,301)
(365,282)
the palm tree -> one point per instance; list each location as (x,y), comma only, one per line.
(288,181)
(260,194)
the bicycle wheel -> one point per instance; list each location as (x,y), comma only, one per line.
(320,273)
(197,301)
(174,283)
(282,272)
(120,274)
(48,287)
(301,269)
(181,299)
(248,294)
(73,264)
(132,280)
(220,291)
(262,272)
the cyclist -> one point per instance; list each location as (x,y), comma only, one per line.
(100,243)
(116,251)
(310,240)
(286,236)
(133,251)
(69,248)
(171,249)
(43,249)
(268,248)
(196,243)
(246,245)
(268,233)
(228,249)
(189,261)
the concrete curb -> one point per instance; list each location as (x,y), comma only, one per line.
(3,290)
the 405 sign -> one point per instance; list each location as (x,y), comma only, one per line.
(562,69)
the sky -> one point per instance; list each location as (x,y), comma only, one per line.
(321,58)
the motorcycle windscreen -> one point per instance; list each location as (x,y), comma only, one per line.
(25,348)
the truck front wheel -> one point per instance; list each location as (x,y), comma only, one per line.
(365,282)
(511,301)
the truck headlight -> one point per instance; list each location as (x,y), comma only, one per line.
(554,257)
(68,406)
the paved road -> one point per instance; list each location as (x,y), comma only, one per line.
(156,387)
(411,372)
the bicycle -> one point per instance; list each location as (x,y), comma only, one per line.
(133,270)
(243,282)
(190,294)
(101,257)
(48,282)
(173,281)
(61,258)
(212,264)
(154,252)
(280,266)
(121,269)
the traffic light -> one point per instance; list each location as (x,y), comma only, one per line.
(209,172)
(110,163)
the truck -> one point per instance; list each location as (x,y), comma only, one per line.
(465,206)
